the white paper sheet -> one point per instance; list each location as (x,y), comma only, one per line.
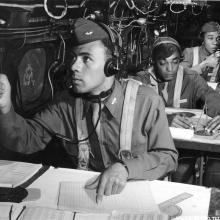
(5,210)
(14,173)
(136,197)
(121,216)
(45,213)
(181,133)
(195,206)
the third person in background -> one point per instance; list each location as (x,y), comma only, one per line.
(204,59)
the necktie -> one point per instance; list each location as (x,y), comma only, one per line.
(95,118)
(164,92)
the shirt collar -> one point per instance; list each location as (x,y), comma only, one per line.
(153,81)
(205,51)
(113,103)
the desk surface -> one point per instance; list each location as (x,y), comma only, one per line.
(188,140)
(44,191)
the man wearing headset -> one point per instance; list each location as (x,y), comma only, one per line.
(153,154)
(204,59)
(181,88)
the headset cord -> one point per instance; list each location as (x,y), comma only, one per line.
(89,135)
(156,79)
(67,139)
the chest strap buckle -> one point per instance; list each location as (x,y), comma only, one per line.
(124,155)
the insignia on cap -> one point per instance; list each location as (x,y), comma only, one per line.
(89,33)
(114,101)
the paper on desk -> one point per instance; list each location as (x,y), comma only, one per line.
(10,210)
(121,216)
(181,133)
(5,209)
(195,207)
(45,213)
(14,173)
(136,196)
(96,216)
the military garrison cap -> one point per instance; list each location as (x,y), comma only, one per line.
(210,27)
(86,31)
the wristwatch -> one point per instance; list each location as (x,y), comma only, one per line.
(124,164)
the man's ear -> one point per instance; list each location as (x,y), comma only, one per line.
(151,62)
(181,57)
(201,36)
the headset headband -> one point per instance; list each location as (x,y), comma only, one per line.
(166,42)
(108,31)
(114,36)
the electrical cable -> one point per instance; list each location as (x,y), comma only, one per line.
(49,78)
(116,7)
(67,139)
(89,135)
(139,10)
(32,33)
(15,32)
(144,13)
(196,14)
(64,12)
(175,12)
(64,49)
(130,7)
(55,63)
(202,112)
(31,6)
(128,24)
(25,37)
(23,29)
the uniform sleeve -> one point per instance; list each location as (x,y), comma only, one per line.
(207,95)
(188,60)
(29,135)
(161,155)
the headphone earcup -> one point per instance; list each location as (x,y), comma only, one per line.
(110,69)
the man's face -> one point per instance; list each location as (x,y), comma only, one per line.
(167,68)
(87,68)
(210,41)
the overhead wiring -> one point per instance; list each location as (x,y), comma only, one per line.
(175,12)
(64,12)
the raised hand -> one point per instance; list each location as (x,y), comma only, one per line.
(5,94)
(213,125)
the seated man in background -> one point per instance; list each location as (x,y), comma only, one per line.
(204,59)
(181,88)
(88,118)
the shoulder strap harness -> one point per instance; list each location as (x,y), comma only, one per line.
(195,56)
(125,127)
(178,87)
